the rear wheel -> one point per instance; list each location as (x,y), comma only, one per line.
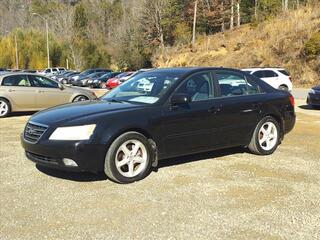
(129,158)
(266,137)
(284,88)
(80,98)
(5,108)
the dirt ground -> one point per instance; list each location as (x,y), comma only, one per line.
(226,194)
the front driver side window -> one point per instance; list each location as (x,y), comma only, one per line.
(199,87)
(39,81)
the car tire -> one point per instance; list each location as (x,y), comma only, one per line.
(129,158)
(266,137)
(284,88)
(80,98)
(5,108)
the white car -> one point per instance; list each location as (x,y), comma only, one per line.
(278,78)
(48,72)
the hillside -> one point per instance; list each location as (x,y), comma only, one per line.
(278,42)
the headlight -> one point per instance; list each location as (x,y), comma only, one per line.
(73,133)
(312,91)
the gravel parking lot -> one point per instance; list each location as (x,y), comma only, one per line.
(226,194)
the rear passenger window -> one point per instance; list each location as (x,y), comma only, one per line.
(232,84)
(259,74)
(18,81)
(265,74)
(269,73)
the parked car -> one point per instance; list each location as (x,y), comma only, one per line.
(313,98)
(33,92)
(117,80)
(68,77)
(60,75)
(48,72)
(100,82)
(93,76)
(188,111)
(29,71)
(278,78)
(85,73)
(3,71)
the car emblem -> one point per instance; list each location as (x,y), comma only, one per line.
(31,131)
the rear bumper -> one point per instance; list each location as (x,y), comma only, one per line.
(289,121)
(89,157)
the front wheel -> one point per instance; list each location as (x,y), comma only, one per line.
(80,99)
(129,158)
(266,137)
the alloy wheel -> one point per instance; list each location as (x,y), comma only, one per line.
(131,158)
(4,108)
(268,136)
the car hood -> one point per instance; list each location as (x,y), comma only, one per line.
(68,112)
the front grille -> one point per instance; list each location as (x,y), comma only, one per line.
(33,132)
(42,159)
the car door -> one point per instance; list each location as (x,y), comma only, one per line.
(239,100)
(269,76)
(48,93)
(191,127)
(18,88)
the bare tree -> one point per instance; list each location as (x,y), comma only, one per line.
(285,5)
(194,22)
(255,9)
(232,15)
(238,13)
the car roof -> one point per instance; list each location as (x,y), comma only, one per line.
(188,70)
(18,73)
(262,68)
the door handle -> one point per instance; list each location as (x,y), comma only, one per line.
(214,110)
(39,91)
(11,90)
(254,107)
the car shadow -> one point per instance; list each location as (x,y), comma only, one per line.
(199,157)
(308,107)
(21,114)
(95,177)
(72,176)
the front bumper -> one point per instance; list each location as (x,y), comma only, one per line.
(89,157)
(313,99)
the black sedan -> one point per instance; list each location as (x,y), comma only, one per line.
(160,114)
(313,98)
(96,83)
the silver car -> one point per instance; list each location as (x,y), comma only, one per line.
(32,92)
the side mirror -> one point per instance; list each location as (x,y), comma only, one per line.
(180,98)
(61,87)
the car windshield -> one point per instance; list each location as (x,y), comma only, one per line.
(145,88)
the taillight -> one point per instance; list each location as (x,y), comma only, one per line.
(290,78)
(291,99)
